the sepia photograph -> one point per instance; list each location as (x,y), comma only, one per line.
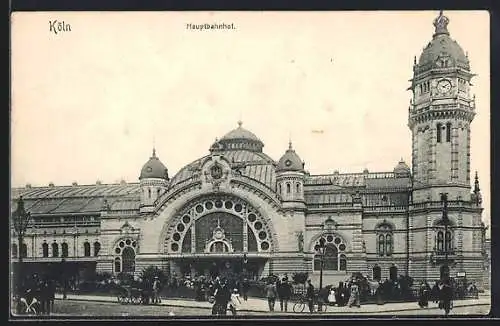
(260,164)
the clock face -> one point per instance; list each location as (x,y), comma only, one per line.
(444,86)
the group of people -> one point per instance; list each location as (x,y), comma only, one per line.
(280,289)
(36,295)
(225,297)
(441,293)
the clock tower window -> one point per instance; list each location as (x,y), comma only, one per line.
(448,132)
(438,132)
(288,188)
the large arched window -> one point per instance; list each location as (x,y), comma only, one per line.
(128,260)
(219,246)
(45,249)
(334,258)
(384,239)
(86,249)
(64,249)
(14,250)
(444,241)
(125,256)
(55,250)
(97,248)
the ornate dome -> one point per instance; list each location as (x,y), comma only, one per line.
(402,169)
(238,139)
(290,161)
(442,51)
(154,168)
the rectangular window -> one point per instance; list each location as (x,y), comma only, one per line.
(448,132)
(438,132)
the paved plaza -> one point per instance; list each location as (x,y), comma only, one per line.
(102,306)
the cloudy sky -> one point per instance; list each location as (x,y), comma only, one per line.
(88,104)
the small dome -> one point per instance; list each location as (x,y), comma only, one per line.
(154,168)
(290,161)
(402,168)
(238,139)
(240,133)
(442,51)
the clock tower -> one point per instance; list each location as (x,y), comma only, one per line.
(440,113)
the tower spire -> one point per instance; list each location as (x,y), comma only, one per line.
(476,184)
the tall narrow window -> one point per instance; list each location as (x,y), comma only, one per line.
(438,132)
(377,273)
(288,188)
(447,241)
(388,244)
(158,191)
(55,250)
(45,249)
(440,244)
(381,245)
(64,249)
(97,247)
(279,187)
(24,250)
(298,188)
(86,249)
(149,192)
(448,132)
(14,250)
(118,265)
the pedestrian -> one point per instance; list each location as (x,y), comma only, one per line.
(332,297)
(284,293)
(445,297)
(156,290)
(310,296)
(354,297)
(245,286)
(235,301)
(51,295)
(423,300)
(271,294)
(222,296)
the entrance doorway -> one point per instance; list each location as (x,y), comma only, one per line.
(393,273)
(227,267)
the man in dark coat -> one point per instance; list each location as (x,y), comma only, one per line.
(310,296)
(423,294)
(245,287)
(284,293)
(445,297)
(222,297)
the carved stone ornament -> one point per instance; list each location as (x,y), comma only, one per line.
(216,171)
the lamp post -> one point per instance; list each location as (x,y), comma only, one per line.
(21,219)
(320,248)
(446,238)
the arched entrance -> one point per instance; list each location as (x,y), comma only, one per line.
(393,273)
(377,273)
(219,235)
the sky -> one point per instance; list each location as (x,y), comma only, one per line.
(89,104)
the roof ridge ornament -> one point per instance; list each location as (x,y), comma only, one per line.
(240,123)
(441,24)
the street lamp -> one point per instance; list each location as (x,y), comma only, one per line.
(320,248)
(447,237)
(21,219)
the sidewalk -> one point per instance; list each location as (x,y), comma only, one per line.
(260,305)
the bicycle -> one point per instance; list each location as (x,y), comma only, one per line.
(303,302)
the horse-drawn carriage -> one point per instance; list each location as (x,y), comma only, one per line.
(132,295)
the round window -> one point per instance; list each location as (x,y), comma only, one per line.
(122,244)
(228,205)
(176,236)
(180,227)
(264,245)
(209,205)
(329,238)
(128,242)
(134,244)
(342,247)
(337,240)
(174,247)
(218,203)
(186,219)
(258,225)
(199,209)
(118,250)
(252,217)
(262,235)
(238,208)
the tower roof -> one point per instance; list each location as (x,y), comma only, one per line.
(290,161)
(442,51)
(154,168)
